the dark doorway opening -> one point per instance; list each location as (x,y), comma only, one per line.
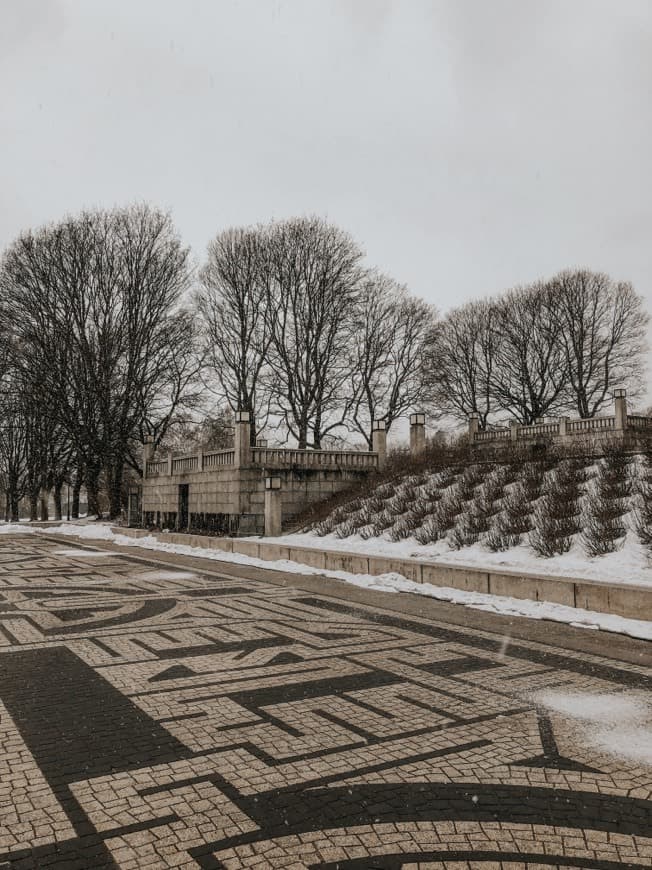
(183,516)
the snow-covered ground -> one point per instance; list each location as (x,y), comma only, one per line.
(384,582)
(618,724)
(631,564)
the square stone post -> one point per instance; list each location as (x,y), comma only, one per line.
(242,438)
(620,409)
(148,452)
(273,507)
(417,433)
(564,433)
(513,431)
(169,464)
(474,427)
(379,442)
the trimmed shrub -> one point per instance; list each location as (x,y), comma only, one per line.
(557,513)
(512,522)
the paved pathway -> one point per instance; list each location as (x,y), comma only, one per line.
(151,717)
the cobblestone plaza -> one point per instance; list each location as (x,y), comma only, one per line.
(157,717)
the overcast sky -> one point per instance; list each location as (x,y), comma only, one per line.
(468,145)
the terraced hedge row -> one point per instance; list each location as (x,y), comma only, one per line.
(546,503)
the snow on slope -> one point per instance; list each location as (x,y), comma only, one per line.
(630,565)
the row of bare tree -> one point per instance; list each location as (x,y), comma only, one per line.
(106,338)
(97,351)
(554,347)
(299,332)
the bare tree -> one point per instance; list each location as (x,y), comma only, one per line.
(94,301)
(232,301)
(314,287)
(214,431)
(530,374)
(602,328)
(12,455)
(460,359)
(387,365)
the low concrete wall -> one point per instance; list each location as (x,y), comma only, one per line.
(627,600)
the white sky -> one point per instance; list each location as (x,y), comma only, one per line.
(468,145)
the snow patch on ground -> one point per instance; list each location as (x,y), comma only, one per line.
(83,553)
(618,724)
(390,582)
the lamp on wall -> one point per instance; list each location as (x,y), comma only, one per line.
(417,419)
(272,483)
(242,416)
(620,393)
(378,426)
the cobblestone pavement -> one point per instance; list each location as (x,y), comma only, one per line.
(161,718)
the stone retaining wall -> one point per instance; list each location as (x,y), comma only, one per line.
(627,600)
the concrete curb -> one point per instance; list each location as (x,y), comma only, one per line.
(634,602)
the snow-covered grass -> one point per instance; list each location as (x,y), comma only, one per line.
(390,582)
(457,517)
(629,565)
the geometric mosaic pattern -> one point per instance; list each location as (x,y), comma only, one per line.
(153,718)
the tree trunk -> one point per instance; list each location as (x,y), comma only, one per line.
(45,498)
(76,490)
(33,506)
(93,489)
(57,501)
(114,481)
(14,514)
(303,436)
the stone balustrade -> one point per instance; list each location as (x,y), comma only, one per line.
(264,457)
(618,426)
(272,457)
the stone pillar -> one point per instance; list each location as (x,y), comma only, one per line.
(564,433)
(513,431)
(273,507)
(200,460)
(169,464)
(474,427)
(417,433)
(379,442)
(620,409)
(148,453)
(242,438)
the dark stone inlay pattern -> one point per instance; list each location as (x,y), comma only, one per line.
(303,716)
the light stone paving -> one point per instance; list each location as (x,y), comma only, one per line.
(171,719)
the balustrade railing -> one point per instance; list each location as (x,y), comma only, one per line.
(637,421)
(555,429)
(279,456)
(218,458)
(272,457)
(183,464)
(492,435)
(538,429)
(591,424)
(157,467)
